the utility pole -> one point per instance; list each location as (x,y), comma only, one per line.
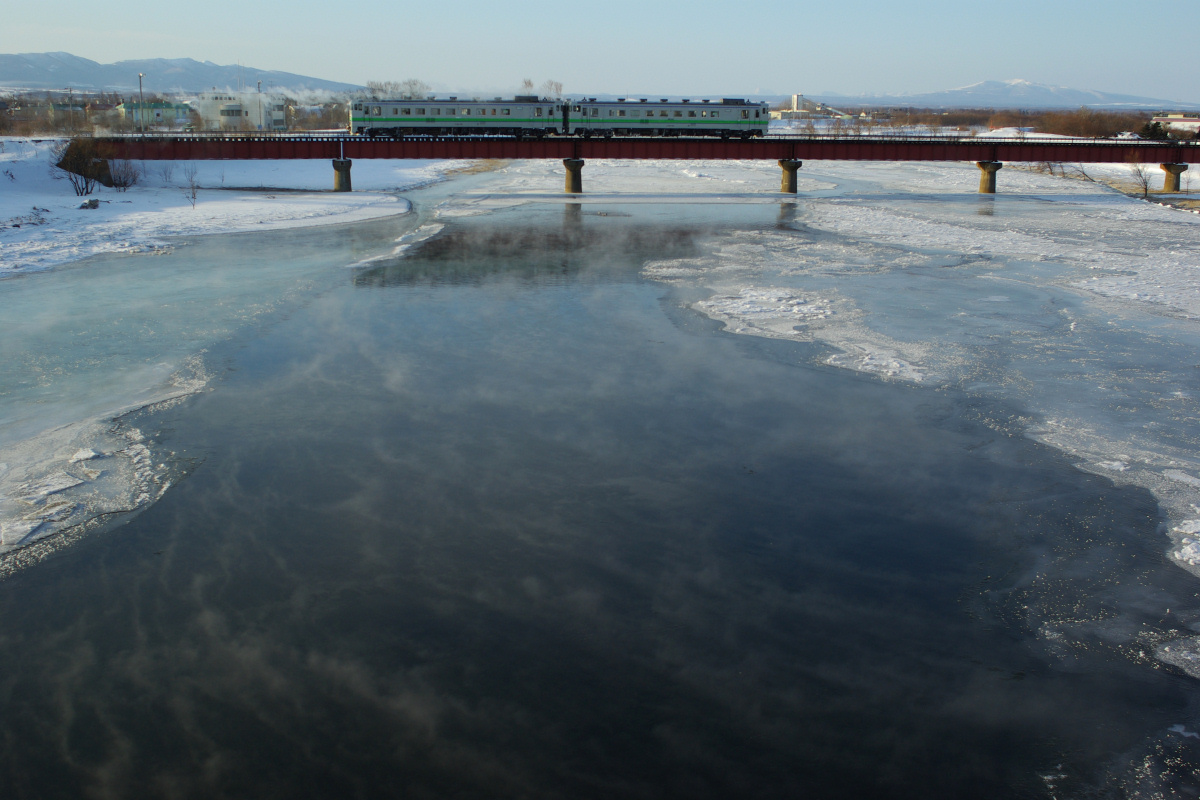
(141,104)
(260,116)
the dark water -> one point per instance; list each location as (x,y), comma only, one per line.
(499,520)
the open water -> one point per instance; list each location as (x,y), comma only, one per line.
(500,517)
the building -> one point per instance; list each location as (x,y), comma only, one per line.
(803,108)
(155,115)
(246,111)
(1180,121)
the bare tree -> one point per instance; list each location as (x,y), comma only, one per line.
(527,86)
(1141,175)
(191,184)
(414,88)
(383,89)
(1075,171)
(411,89)
(124,174)
(78,160)
(552,88)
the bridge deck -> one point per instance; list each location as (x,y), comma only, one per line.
(196,147)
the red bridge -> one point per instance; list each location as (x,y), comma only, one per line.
(989,154)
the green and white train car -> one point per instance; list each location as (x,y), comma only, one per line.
(728,118)
(521,116)
(538,117)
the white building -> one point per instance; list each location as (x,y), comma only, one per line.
(1181,121)
(241,111)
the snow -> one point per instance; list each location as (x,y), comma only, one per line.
(42,225)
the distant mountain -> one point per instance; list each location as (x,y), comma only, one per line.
(62,70)
(1007,94)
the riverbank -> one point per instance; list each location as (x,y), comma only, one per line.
(42,224)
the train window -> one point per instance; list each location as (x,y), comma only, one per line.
(466,112)
(621,113)
(662,113)
(756,113)
(576,108)
(450,112)
(358,106)
(595,112)
(406,111)
(493,112)
(745,114)
(504,112)
(691,113)
(716,114)
(678,113)
(537,112)
(376,111)
(704,113)
(420,112)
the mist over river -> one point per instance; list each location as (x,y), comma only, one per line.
(656,494)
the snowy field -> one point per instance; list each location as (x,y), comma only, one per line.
(1047,269)
(43,225)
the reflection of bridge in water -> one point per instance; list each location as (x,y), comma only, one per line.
(988,154)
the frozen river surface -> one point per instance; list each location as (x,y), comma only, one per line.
(690,490)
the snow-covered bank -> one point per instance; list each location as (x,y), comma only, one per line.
(42,225)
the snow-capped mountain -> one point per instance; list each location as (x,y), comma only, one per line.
(62,70)
(1007,94)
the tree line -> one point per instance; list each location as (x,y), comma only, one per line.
(1086,122)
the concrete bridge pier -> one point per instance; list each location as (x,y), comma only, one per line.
(1171,179)
(341,175)
(790,167)
(574,175)
(987,175)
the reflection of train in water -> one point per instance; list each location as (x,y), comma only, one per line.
(538,117)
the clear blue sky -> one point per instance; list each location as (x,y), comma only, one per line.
(673,47)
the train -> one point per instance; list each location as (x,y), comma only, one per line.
(537,117)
